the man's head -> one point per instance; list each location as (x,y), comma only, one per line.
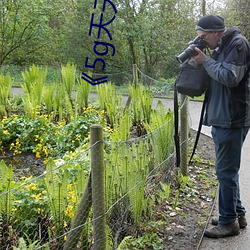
(211,28)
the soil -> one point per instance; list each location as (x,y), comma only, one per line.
(186,223)
(25,164)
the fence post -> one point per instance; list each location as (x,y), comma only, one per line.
(80,218)
(98,195)
(184,135)
(135,74)
(135,77)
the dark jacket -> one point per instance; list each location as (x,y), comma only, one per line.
(228,103)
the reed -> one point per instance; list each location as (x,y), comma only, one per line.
(33,86)
(5,90)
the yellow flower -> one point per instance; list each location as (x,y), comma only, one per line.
(17,152)
(14,209)
(37,196)
(69,211)
(6,132)
(45,151)
(31,187)
(73,199)
(38,156)
(102,112)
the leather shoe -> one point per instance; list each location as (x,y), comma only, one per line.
(221,231)
(241,219)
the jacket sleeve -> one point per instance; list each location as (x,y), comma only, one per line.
(234,66)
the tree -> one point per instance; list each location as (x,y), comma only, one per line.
(21,21)
(237,12)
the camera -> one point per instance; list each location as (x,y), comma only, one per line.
(190,51)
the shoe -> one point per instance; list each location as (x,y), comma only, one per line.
(241,219)
(221,231)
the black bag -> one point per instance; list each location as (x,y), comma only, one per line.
(192,80)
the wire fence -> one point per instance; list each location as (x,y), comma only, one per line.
(158,87)
(55,210)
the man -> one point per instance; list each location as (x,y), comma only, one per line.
(228,112)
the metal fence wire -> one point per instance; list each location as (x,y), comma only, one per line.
(46,210)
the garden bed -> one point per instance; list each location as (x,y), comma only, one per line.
(178,222)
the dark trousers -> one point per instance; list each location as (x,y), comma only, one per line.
(228,145)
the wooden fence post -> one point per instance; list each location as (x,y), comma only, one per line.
(80,218)
(135,74)
(98,194)
(135,77)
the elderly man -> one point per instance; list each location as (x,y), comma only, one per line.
(228,112)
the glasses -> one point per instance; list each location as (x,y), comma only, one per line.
(204,35)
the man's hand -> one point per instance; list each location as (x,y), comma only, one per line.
(200,58)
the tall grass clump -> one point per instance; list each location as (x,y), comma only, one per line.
(62,105)
(83,91)
(48,98)
(161,130)
(6,184)
(5,90)
(141,106)
(34,80)
(127,167)
(110,102)
(68,74)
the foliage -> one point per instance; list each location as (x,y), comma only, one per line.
(22,245)
(48,98)
(46,205)
(57,32)
(34,81)
(83,91)
(43,137)
(147,241)
(141,99)
(22,22)
(52,199)
(30,204)
(236,13)
(5,90)
(6,184)
(110,102)
(163,123)
(68,74)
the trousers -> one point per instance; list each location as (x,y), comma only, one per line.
(228,146)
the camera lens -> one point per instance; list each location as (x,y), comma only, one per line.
(187,53)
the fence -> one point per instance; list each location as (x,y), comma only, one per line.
(94,202)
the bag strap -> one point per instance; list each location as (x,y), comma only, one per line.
(176,126)
(199,127)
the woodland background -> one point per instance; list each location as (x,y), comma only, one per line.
(148,33)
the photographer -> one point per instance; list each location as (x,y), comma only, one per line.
(228,112)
